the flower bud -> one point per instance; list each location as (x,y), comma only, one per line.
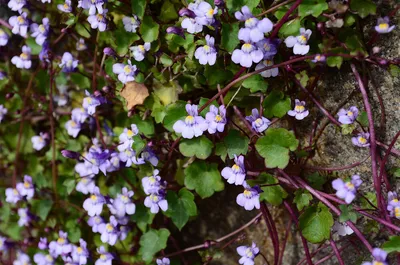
(9,95)
(109,51)
(70,154)
(187,12)
(176,30)
(376,50)
(219,3)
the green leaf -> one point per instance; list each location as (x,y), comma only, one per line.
(152,242)
(363,119)
(236,143)
(349,20)
(312,7)
(174,112)
(149,29)
(180,207)
(73,230)
(35,48)
(394,70)
(347,213)
(272,194)
(303,78)
(142,217)
(255,83)
(123,40)
(229,38)
(200,147)
(276,104)
(316,223)
(166,60)
(393,245)
(168,12)
(203,177)
(138,7)
(145,126)
(363,7)
(371,198)
(42,208)
(302,199)
(275,146)
(347,128)
(221,151)
(334,61)
(290,28)
(70,185)
(316,180)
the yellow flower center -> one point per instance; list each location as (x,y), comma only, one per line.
(154,198)
(42,29)
(350,185)
(249,253)
(189,119)
(27,184)
(124,198)
(377,263)
(129,132)
(395,200)
(247,193)
(259,122)
(73,123)
(267,47)
(247,46)
(210,12)
(79,250)
(235,167)
(141,48)
(133,20)
(66,6)
(49,258)
(299,108)
(128,153)
(397,211)
(20,19)
(152,180)
(362,140)
(99,17)
(383,26)
(93,197)
(15,191)
(350,113)
(24,56)
(318,57)
(206,48)
(218,118)
(60,240)
(303,38)
(2,33)
(103,257)
(109,228)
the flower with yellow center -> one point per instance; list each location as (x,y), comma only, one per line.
(395,200)
(141,48)
(189,119)
(60,240)
(350,113)
(299,108)
(66,6)
(247,193)
(350,185)
(109,228)
(247,47)
(235,167)
(129,132)
(397,212)
(362,140)
(103,257)
(24,56)
(218,118)
(249,253)
(383,26)
(79,250)
(99,17)
(154,197)
(21,19)
(42,29)
(27,184)
(93,197)
(258,122)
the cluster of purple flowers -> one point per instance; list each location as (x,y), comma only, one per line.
(347,190)
(256,47)
(195,125)
(154,187)
(197,15)
(97,13)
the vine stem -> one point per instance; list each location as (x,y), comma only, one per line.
(336,251)
(272,230)
(337,168)
(385,158)
(273,8)
(52,132)
(284,18)
(375,176)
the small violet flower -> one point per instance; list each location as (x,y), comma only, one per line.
(61,246)
(270,72)
(193,125)
(3,244)
(319,58)
(126,73)
(207,54)
(347,190)
(131,23)
(149,156)
(123,205)
(86,185)
(3,112)
(248,54)
(16,5)
(12,196)
(39,141)
(19,24)
(105,257)
(379,257)
(98,21)
(68,64)
(66,7)
(73,128)
(348,116)
(109,231)
(94,204)
(235,174)
(40,32)
(216,121)
(269,47)
(42,245)
(258,123)
(90,102)
(128,156)
(393,205)
(254,29)
(93,6)
(26,188)
(299,112)
(94,222)
(81,45)
(139,51)
(342,229)
(299,43)
(3,38)
(382,26)
(126,137)
(155,201)
(153,183)
(250,198)
(42,259)
(24,217)
(248,254)
(24,60)
(22,259)
(163,261)
(361,140)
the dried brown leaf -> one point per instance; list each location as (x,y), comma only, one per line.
(134,93)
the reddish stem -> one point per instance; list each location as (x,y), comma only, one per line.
(284,19)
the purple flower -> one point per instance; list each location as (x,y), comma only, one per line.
(26,188)
(42,243)
(24,217)
(3,75)
(129,157)
(92,5)
(95,222)
(392,197)
(348,116)
(24,60)
(105,257)
(347,190)
(94,204)
(126,137)
(254,29)
(149,156)
(22,259)
(235,174)
(248,54)
(268,46)
(319,58)
(204,12)
(163,261)
(250,198)
(382,25)
(207,54)
(16,5)
(299,112)
(12,195)
(342,229)
(73,128)
(191,25)
(98,21)
(138,52)
(123,232)
(155,201)
(115,162)
(40,32)
(216,121)
(68,64)
(361,140)
(393,205)
(3,38)
(379,257)
(258,123)
(98,160)
(19,24)
(3,112)
(66,7)
(61,246)
(123,205)
(109,232)
(90,102)
(42,259)
(131,23)
(248,254)
(86,185)
(3,244)
(69,261)
(84,169)
(299,43)
(44,56)
(176,30)
(193,125)
(81,45)
(153,183)
(126,72)
(79,114)
(39,141)
(267,73)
